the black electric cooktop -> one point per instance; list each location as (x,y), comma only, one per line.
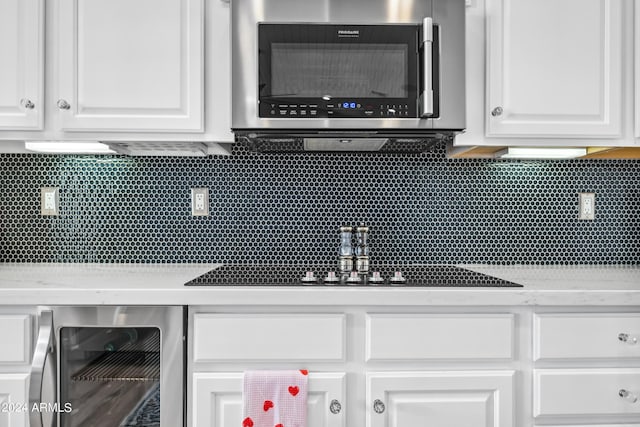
(292,275)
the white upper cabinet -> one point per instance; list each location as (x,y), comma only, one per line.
(218,71)
(130,65)
(554,68)
(637,69)
(21,56)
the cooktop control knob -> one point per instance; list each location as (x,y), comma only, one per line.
(331,278)
(376,278)
(398,278)
(309,278)
(354,278)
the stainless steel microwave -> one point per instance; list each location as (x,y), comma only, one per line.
(345,75)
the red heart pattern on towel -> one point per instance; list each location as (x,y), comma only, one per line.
(266,402)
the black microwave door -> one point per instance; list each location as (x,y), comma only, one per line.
(324,70)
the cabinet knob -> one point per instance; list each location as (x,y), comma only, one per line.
(335,407)
(63,105)
(26,103)
(628,395)
(378,406)
(627,338)
(496,112)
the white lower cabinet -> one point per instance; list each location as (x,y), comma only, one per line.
(424,366)
(587,392)
(596,425)
(587,368)
(366,367)
(14,400)
(218,399)
(573,336)
(15,359)
(15,336)
(228,337)
(440,399)
(393,336)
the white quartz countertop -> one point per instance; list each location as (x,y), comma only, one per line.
(163,284)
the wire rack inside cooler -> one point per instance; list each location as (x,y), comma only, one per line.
(139,361)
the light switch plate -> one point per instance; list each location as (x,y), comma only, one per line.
(49,201)
(199,201)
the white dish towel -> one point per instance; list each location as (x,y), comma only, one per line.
(275,399)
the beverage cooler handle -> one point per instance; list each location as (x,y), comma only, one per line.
(426,97)
(45,349)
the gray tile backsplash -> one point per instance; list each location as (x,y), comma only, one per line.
(288,207)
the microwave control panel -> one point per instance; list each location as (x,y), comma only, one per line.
(347,109)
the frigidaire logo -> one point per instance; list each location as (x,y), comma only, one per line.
(349,33)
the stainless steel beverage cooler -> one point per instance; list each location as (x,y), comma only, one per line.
(108,366)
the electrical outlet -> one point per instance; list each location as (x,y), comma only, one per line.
(587,206)
(199,201)
(49,201)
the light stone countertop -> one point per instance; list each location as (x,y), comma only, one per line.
(163,284)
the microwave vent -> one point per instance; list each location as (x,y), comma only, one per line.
(320,144)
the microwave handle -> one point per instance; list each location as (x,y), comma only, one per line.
(45,349)
(426,97)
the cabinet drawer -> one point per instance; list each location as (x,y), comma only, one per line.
(586,392)
(15,336)
(586,336)
(439,336)
(269,337)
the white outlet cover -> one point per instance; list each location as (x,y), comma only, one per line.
(49,201)
(587,206)
(200,201)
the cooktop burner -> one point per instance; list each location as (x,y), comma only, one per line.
(320,275)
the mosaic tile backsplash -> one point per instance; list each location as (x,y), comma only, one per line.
(268,208)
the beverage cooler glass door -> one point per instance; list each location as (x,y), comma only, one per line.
(116,366)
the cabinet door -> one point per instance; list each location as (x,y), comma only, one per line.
(217,400)
(554,68)
(21,56)
(14,400)
(636,72)
(130,65)
(218,66)
(15,336)
(440,399)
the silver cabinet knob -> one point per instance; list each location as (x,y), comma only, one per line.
(335,407)
(378,406)
(627,338)
(496,112)
(26,103)
(63,105)
(628,395)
